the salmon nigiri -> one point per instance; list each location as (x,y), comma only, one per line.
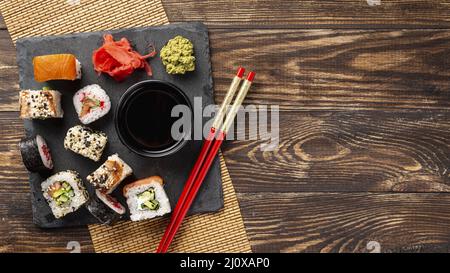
(56,67)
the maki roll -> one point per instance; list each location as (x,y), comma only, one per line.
(64,192)
(40,104)
(146,198)
(91,103)
(35,154)
(56,67)
(86,142)
(105,208)
(109,175)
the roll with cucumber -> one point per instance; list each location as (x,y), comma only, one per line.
(64,192)
(146,198)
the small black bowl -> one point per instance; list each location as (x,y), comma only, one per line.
(143,121)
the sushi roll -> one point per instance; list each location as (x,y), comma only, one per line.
(56,67)
(86,142)
(109,175)
(146,198)
(64,192)
(40,104)
(91,103)
(35,154)
(105,208)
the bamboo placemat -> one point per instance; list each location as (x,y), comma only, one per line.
(215,232)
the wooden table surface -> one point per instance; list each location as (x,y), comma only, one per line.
(364,149)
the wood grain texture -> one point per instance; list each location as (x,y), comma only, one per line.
(318,69)
(9,75)
(319,152)
(347,151)
(8,56)
(398,14)
(17,231)
(343,222)
(312,13)
(338,69)
(363,129)
(2,23)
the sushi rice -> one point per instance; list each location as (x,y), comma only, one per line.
(86,142)
(78,194)
(134,192)
(40,104)
(78,68)
(91,103)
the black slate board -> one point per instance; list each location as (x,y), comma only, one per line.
(174,169)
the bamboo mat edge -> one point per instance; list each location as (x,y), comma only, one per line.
(223,231)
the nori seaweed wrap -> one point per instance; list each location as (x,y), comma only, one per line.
(106,209)
(35,154)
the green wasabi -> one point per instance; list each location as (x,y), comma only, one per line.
(178,56)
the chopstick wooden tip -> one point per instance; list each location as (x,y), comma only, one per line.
(240,72)
(251,76)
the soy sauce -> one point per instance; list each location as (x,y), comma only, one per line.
(148,119)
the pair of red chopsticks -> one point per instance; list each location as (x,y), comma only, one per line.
(208,152)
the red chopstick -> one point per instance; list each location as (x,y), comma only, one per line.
(197,183)
(203,152)
(187,186)
(184,204)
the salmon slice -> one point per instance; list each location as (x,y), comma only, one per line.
(55,67)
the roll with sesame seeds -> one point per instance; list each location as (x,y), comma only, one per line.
(40,104)
(109,175)
(86,142)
